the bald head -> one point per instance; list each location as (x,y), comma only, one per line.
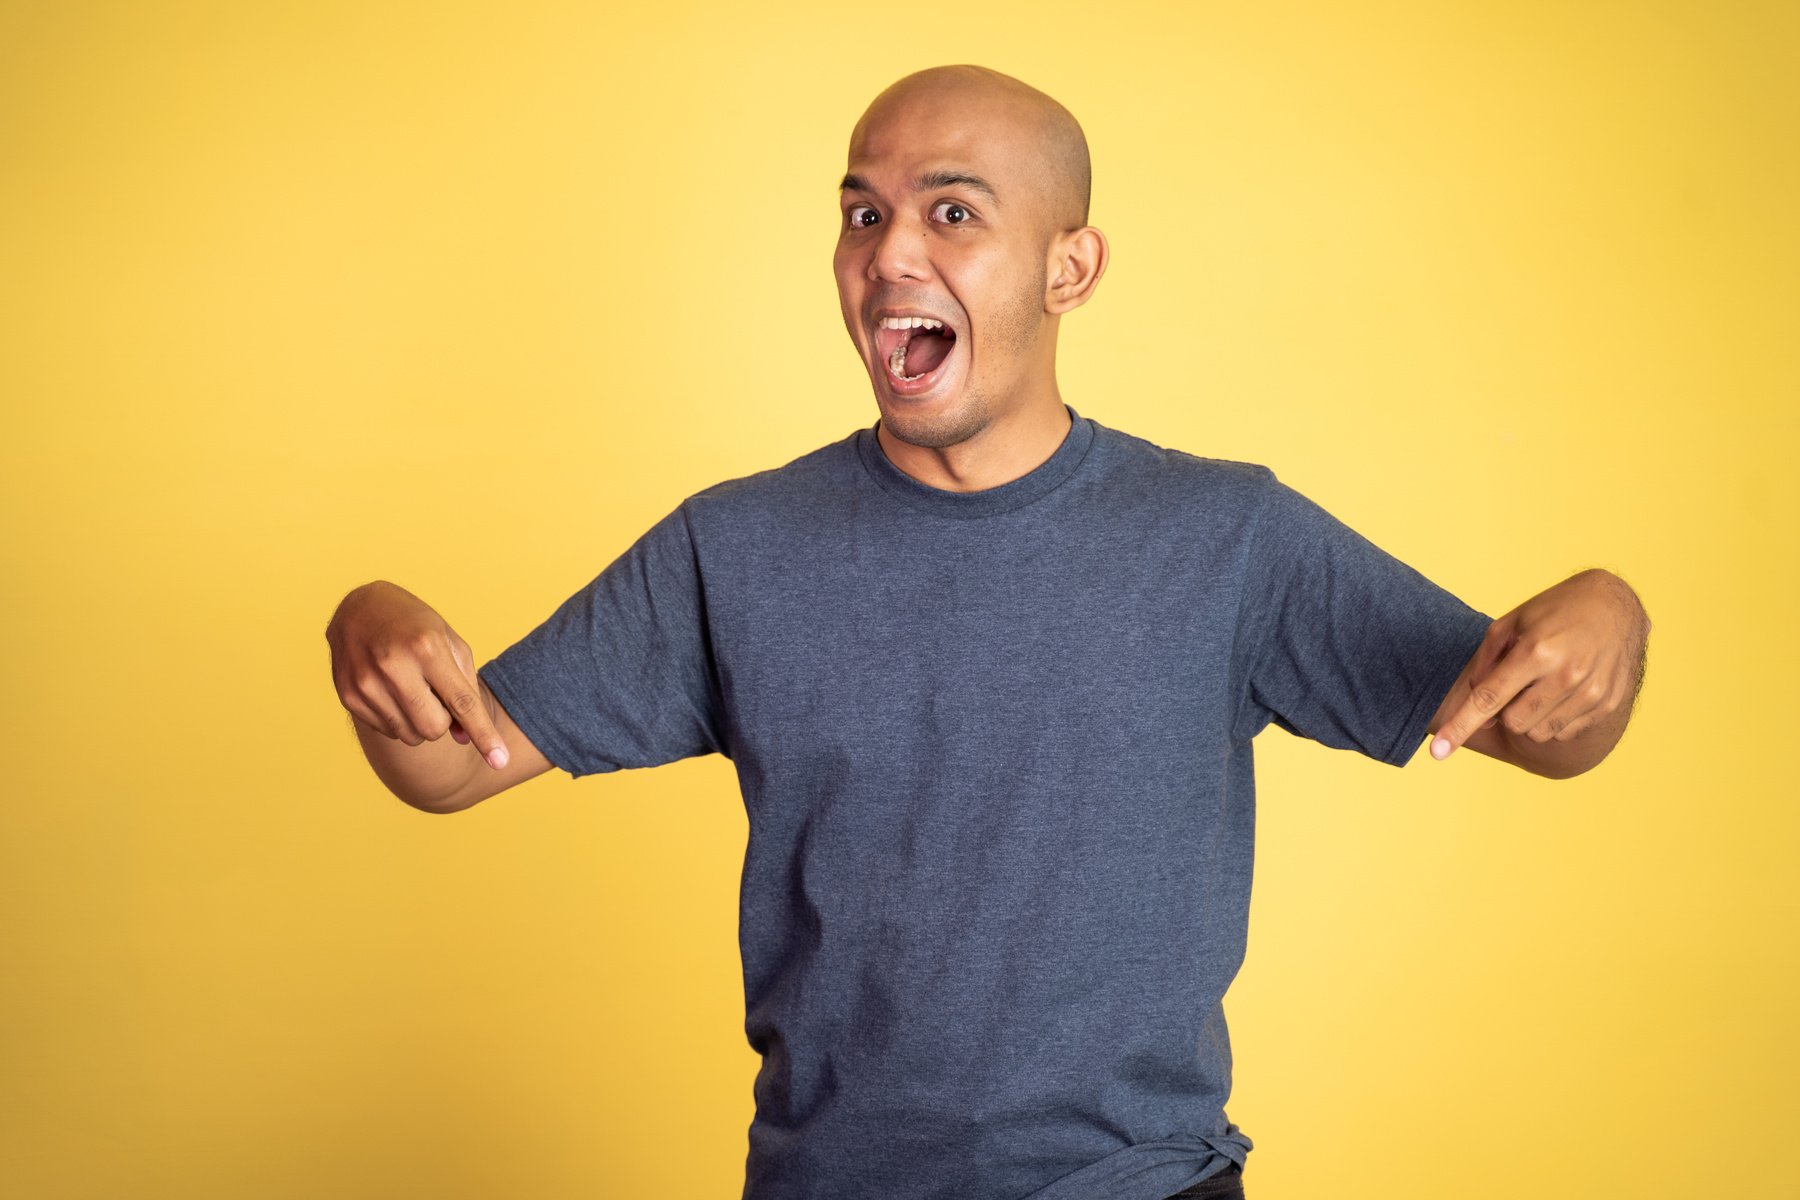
(964,206)
(1045,132)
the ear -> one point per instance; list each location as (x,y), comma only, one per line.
(1077,261)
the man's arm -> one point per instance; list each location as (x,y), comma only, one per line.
(1551,687)
(448,776)
(407,679)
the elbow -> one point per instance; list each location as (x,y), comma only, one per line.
(1561,771)
(408,789)
(1567,768)
(1552,759)
(441,806)
(439,810)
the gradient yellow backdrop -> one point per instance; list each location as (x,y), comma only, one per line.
(465,296)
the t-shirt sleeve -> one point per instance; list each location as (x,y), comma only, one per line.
(1347,645)
(621,674)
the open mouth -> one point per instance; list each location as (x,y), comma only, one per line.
(913,349)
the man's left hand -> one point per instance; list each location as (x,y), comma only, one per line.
(1566,661)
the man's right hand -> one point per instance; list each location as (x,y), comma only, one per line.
(403,672)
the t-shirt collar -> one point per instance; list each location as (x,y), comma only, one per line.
(1035,483)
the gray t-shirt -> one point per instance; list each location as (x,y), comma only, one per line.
(995,749)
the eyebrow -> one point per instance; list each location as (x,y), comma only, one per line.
(929,182)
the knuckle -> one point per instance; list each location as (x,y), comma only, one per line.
(390,668)
(422,701)
(1541,652)
(1486,698)
(1595,693)
(464,703)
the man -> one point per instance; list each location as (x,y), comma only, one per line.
(989,672)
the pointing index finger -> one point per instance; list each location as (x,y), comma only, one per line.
(1487,696)
(461,693)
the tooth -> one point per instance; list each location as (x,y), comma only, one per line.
(909,323)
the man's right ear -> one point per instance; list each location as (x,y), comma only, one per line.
(1077,261)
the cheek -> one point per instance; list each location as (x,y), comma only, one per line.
(1016,315)
(849,297)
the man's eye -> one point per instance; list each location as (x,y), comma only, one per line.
(950,212)
(861,216)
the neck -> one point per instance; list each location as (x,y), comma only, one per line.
(1002,451)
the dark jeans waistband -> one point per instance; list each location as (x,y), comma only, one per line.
(1226,1185)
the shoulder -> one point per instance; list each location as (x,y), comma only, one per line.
(794,489)
(1143,468)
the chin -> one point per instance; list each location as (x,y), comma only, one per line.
(933,426)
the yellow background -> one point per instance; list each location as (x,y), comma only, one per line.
(465,296)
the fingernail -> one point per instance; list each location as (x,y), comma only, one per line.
(1440,748)
(497,757)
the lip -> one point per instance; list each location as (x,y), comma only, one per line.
(927,382)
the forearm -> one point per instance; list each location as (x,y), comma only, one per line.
(424,776)
(1555,759)
(422,712)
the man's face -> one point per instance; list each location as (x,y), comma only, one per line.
(941,222)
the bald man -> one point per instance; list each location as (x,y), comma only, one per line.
(989,672)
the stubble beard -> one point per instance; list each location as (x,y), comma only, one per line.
(947,429)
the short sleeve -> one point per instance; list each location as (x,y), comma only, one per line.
(621,674)
(1347,645)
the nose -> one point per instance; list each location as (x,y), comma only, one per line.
(899,252)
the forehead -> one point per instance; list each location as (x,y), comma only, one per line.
(907,138)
